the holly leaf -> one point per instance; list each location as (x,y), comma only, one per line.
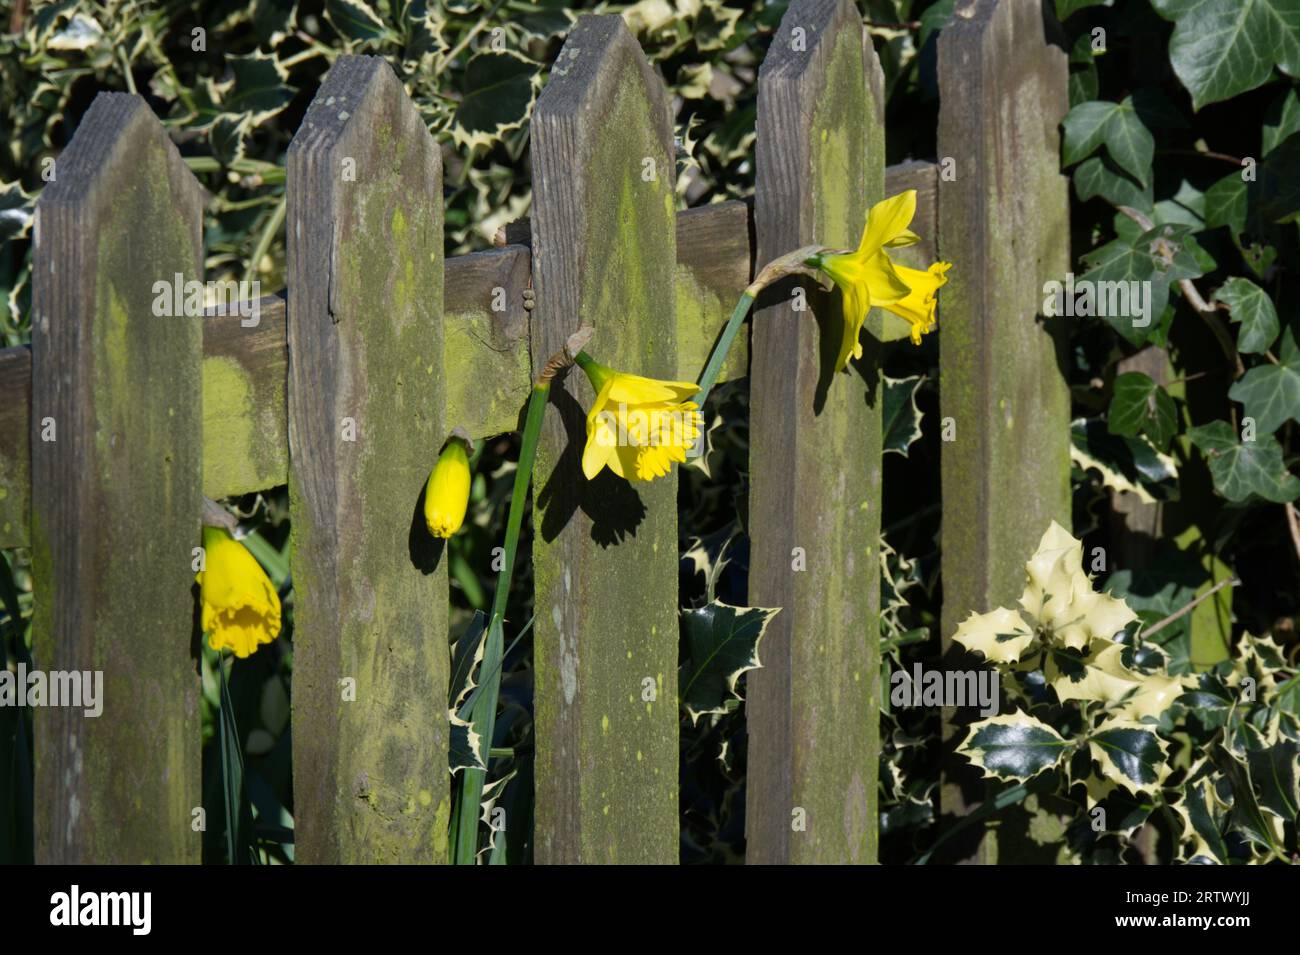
(1221,48)
(1129,754)
(721,643)
(901,424)
(1001,635)
(1140,405)
(1250,305)
(499,90)
(1242,469)
(1013,747)
(1273,777)
(1271,393)
(1200,823)
(1129,143)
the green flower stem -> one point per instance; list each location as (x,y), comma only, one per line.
(483,715)
(714,366)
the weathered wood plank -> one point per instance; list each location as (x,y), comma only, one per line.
(245,445)
(813,709)
(116,492)
(366,419)
(15,445)
(924,178)
(1004,224)
(487,360)
(604,552)
(713,267)
(245,436)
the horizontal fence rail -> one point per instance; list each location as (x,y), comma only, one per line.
(344,385)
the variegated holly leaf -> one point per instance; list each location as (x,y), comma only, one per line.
(1129,753)
(466,657)
(465,744)
(901,418)
(1202,824)
(16,209)
(1101,676)
(1001,635)
(499,88)
(1125,463)
(1015,746)
(1246,817)
(721,644)
(1273,777)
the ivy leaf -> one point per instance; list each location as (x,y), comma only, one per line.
(1013,747)
(1139,405)
(1129,754)
(901,422)
(1116,125)
(1099,176)
(1281,120)
(1250,305)
(499,90)
(1271,393)
(1160,256)
(722,643)
(1224,47)
(1242,469)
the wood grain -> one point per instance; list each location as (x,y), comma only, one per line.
(116,492)
(813,708)
(366,420)
(1004,224)
(604,551)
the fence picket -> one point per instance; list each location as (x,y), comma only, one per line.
(814,457)
(116,437)
(604,551)
(366,401)
(1004,221)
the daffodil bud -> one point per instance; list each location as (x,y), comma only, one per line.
(241,610)
(447,494)
(637,426)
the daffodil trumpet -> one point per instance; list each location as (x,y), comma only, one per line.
(240,607)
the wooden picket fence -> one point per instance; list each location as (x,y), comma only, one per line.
(150,414)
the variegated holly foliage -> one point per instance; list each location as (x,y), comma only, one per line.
(1101,711)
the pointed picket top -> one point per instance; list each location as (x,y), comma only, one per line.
(604,551)
(116,432)
(366,398)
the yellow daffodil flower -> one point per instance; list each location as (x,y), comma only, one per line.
(447,494)
(241,610)
(918,305)
(867,276)
(637,426)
